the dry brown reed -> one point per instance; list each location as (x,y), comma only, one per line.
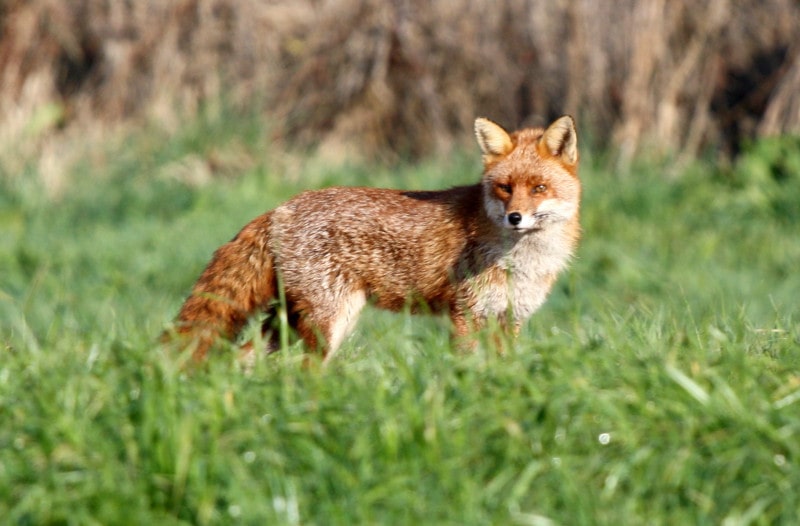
(388,78)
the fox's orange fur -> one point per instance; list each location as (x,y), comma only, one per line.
(490,250)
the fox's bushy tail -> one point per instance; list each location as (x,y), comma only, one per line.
(239,280)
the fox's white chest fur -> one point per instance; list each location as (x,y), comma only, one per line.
(529,267)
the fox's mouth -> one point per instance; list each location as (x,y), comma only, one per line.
(522,230)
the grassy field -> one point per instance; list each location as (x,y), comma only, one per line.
(660,384)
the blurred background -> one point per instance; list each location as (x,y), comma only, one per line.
(400,79)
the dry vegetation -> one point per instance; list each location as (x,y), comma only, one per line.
(400,77)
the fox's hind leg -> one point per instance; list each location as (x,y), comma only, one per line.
(271,329)
(324,326)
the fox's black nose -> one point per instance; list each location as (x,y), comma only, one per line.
(514,218)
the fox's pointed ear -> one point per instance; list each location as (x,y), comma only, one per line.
(493,140)
(561,140)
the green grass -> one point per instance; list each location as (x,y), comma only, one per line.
(660,384)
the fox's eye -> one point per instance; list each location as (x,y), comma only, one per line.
(504,188)
(540,189)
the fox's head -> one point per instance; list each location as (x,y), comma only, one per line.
(530,176)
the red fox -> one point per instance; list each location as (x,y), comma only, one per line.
(490,250)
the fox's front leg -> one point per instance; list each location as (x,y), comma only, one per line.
(465,328)
(507,335)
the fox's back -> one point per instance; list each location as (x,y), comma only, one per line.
(393,244)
